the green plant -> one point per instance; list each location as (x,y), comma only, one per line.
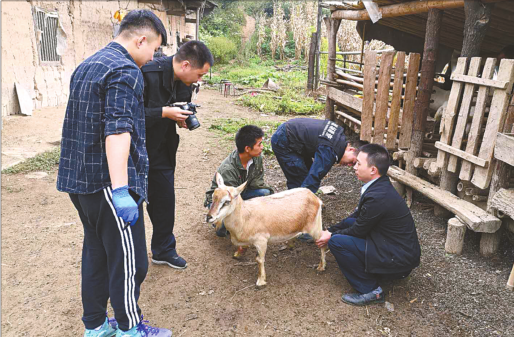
(222,49)
(45,161)
(229,127)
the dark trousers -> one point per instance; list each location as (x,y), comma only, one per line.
(292,164)
(161,209)
(301,171)
(114,261)
(350,253)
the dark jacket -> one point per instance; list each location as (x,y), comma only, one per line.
(306,134)
(385,221)
(162,90)
(234,174)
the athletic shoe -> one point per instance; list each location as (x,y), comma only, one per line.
(174,261)
(363,299)
(144,330)
(108,329)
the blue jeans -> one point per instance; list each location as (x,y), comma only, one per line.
(301,171)
(350,254)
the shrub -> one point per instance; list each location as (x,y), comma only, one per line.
(222,49)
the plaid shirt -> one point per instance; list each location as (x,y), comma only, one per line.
(106,98)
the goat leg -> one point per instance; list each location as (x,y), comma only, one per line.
(261,246)
(323,262)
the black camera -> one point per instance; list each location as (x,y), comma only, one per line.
(191,121)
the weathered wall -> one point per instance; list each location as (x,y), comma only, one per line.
(88,26)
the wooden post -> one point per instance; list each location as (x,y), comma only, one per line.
(455,236)
(318,44)
(312,57)
(475,27)
(510,282)
(197,28)
(332,27)
(426,84)
(362,46)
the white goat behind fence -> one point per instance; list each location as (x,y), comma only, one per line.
(275,218)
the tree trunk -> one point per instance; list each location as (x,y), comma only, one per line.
(475,27)
(312,57)
(426,83)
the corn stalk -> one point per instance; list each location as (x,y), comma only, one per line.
(274,30)
(282,31)
(261,33)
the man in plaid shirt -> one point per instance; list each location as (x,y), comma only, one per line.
(104,167)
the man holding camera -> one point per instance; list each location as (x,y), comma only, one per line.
(168,80)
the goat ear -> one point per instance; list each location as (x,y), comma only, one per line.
(241,188)
(219,180)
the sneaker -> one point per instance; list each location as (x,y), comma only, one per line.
(304,237)
(222,232)
(108,329)
(173,261)
(363,299)
(144,330)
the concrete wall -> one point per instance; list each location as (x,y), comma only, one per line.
(88,26)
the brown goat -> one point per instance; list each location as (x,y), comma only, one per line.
(275,218)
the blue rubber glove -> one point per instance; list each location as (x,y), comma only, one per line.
(125,206)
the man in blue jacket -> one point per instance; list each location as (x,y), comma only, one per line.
(379,240)
(307,148)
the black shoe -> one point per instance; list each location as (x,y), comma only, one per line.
(173,261)
(222,232)
(363,299)
(304,237)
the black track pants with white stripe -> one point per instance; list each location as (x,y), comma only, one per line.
(114,261)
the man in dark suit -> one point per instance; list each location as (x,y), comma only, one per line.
(379,240)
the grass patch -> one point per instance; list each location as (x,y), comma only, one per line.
(229,127)
(45,161)
(289,99)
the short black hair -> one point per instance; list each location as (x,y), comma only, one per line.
(358,143)
(196,52)
(139,19)
(247,136)
(377,156)
(508,51)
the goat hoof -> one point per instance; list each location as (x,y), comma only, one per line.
(260,284)
(320,268)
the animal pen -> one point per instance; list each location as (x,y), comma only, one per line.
(461,158)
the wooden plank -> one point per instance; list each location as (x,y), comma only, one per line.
(462,154)
(384,79)
(348,117)
(503,201)
(475,218)
(467,168)
(448,117)
(504,149)
(462,119)
(480,81)
(409,101)
(370,70)
(482,176)
(350,83)
(394,115)
(345,99)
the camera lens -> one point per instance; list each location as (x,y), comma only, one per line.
(192,122)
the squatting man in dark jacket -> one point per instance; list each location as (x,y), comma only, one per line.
(379,240)
(168,80)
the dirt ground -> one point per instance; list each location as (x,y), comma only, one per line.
(215,296)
